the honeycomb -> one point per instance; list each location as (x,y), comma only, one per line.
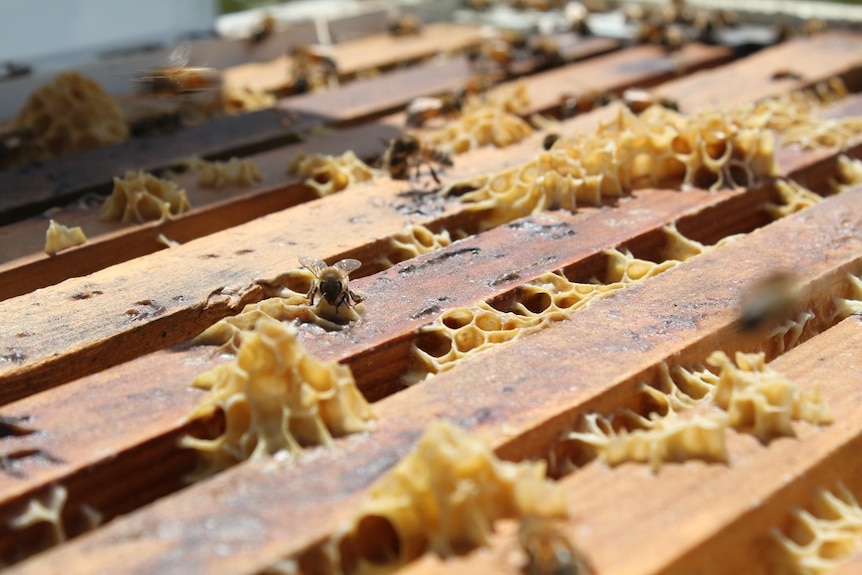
(760,400)
(487,125)
(682,426)
(461,333)
(659,146)
(443,497)
(794,197)
(49,512)
(412,241)
(275,397)
(330,174)
(59,237)
(140,197)
(72,114)
(853,305)
(675,437)
(821,539)
(234,172)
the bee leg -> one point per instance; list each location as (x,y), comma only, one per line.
(311,291)
(354,297)
(433,173)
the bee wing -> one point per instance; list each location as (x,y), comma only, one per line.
(312,264)
(347,265)
(181,55)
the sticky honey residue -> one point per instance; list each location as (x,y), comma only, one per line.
(443,497)
(761,401)
(794,198)
(234,172)
(59,237)
(464,332)
(330,174)
(275,397)
(822,538)
(71,114)
(49,512)
(139,197)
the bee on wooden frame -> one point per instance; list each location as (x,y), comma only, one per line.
(572,105)
(769,301)
(263,30)
(424,108)
(408,152)
(638,101)
(311,69)
(549,141)
(331,282)
(405,25)
(548,550)
(178,78)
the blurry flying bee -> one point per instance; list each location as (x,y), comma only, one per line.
(638,100)
(409,152)
(331,281)
(405,25)
(549,552)
(15,70)
(263,30)
(178,78)
(572,105)
(422,109)
(550,140)
(769,301)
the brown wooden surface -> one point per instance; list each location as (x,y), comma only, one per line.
(702,518)
(256,515)
(35,270)
(110,437)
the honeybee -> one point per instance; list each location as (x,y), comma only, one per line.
(19,145)
(331,281)
(638,100)
(577,17)
(405,25)
(549,552)
(546,51)
(409,152)
(422,109)
(263,30)
(550,140)
(769,301)
(571,105)
(15,70)
(311,68)
(178,78)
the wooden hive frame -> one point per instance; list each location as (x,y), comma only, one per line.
(94,354)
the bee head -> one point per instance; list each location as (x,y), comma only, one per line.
(331,288)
